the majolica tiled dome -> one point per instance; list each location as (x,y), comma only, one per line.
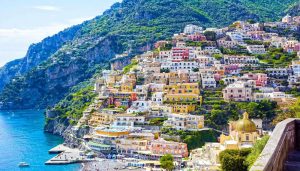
(245,124)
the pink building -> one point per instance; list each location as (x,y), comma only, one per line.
(292,46)
(197,37)
(232,69)
(161,147)
(180,53)
(260,79)
(238,91)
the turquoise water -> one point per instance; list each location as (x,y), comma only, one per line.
(22,139)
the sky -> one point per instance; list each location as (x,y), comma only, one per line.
(23,22)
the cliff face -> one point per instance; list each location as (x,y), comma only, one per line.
(36,54)
(49,82)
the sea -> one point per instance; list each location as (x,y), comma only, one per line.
(22,139)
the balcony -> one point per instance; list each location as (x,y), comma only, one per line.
(282,152)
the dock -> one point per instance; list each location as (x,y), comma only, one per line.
(66,156)
(59,149)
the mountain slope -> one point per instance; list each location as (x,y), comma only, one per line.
(131,25)
(36,54)
(294,10)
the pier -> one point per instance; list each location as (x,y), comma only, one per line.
(66,156)
(59,149)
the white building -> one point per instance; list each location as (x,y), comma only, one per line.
(192,29)
(157,97)
(185,122)
(139,106)
(180,65)
(256,49)
(277,72)
(129,120)
(240,60)
(296,68)
(208,81)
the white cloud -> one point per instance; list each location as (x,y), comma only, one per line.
(14,42)
(46,8)
(79,20)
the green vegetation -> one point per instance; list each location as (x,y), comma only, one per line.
(217,112)
(195,69)
(294,91)
(193,139)
(167,47)
(277,57)
(217,56)
(289,111)
(167,162)
(140,81)
(253,42)
(210,35)
(256,150)
(164,70)
(193,43)
(130,66)
(73,105)
(157,121)
(238,50)
(242,160)
(234,160)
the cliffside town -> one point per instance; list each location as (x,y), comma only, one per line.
(142,112)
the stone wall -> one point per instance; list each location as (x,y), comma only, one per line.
(281,142)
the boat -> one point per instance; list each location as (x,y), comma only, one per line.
(23,164)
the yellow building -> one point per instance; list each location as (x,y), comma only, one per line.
(183,108)
(127,87)
(181,98)
(177,77)
(105,117)
(113,78)
(184,88)
(242,134)
(134,142)
(98,119)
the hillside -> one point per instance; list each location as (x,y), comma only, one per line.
(36,54)
(74,55)
(294,10)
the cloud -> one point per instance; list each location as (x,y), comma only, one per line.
(14,42)
(46,8)
(79,20)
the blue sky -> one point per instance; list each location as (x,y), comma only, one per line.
(23,22)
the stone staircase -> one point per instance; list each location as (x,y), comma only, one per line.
(293,161)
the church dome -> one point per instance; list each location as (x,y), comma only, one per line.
(245,124)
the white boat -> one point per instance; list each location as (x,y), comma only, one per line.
(23,164)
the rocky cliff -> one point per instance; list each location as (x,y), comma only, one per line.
(36,54)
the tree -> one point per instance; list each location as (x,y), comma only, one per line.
(210,35)
(234,160)
(256,150)
(195,69)
(217,56)
(163,70)
(167,162)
